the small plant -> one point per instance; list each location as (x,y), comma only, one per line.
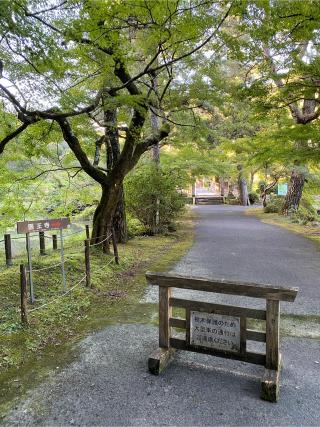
(274,204)
(253,197)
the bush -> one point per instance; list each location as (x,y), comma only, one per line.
(134,226)
(274,204)
(253,197)
(306,212)
(147,184)
(303,215)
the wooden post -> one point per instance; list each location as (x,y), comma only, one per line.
(272,334)
(54,242)
(42,243)
(161,357)
(8,249)
(87,231)
(23,294)
(165,312)
(243,334)
(115,248)
(87,262)
(271,377)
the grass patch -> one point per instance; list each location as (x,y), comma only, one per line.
(28,354)
(308,231)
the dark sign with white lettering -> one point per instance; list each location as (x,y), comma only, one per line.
(24,227)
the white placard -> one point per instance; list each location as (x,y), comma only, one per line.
(217,331)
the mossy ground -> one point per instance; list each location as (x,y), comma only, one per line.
(27,354)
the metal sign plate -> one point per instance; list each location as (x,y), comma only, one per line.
(24,227)
(217,331)
(282,189)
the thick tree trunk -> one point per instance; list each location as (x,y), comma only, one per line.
(104,213)
(243,192)
(119,219)
(294,194)
(222,186)
(112,155)
(243,188)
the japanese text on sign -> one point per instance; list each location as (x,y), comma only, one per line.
(42,225)
(215,331)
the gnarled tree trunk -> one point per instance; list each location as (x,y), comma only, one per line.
(119,220)
(294,194)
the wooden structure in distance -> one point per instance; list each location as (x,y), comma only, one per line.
(168,343)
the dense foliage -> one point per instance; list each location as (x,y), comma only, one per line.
(88,87)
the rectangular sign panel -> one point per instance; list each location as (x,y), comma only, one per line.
(216,331)
(282,189)
(24,227)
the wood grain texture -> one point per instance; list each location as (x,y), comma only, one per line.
(243,334)
(165,312)
(250,357)
(272,334)
(270,384)
(177,322)
(160,359)
(222,286)
(256,335)
(218,308)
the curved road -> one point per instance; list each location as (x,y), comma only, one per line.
(232,245)
(109,383)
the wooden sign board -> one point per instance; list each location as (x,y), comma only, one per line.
(216,331)
(24,227)
(220,330)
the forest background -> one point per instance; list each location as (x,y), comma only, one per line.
(110,106)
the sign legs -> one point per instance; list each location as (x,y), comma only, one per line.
(29,251)
(62,262)
(161,357)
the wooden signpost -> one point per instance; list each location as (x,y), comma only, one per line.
(220,330)
(27,227)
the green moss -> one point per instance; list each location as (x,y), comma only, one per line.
(29,354)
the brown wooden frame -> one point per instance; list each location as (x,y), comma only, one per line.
(168,343)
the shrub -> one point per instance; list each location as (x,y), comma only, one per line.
(274,204)
(134,226)
(147,184)
(303,215)
(253,197)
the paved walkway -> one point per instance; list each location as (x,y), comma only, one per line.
(232,245)
(109,384)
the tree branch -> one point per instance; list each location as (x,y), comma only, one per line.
(12,135)
(75,146)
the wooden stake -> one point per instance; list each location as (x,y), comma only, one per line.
(165,312)
(23,294)
(8,250)
(54,242)
(115,248)
(87,231)
(272,334)
(87,262)
(160,359)
(42,243)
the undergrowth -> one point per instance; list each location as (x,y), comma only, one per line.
(58,317)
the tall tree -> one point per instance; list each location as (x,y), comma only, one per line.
(69,55)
